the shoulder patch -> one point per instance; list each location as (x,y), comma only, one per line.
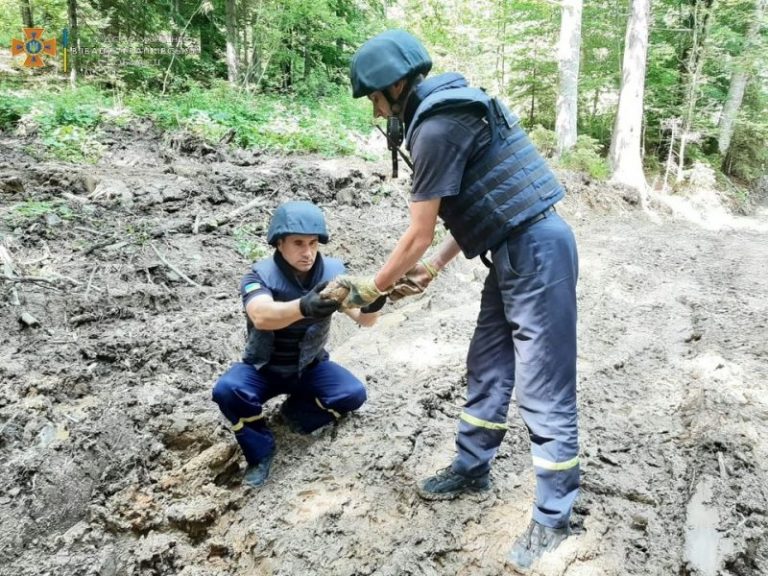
(251,287)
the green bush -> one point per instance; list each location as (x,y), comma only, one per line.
(544,140)
(12,108)
(68,120)
(585,157)
(73,143)
(262,121)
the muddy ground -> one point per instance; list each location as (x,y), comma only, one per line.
(114,461)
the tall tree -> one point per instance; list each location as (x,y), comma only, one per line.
(232,61)
(703,15)
(26,14)
(625,155)
(569,53)
(739,80)
(74,41)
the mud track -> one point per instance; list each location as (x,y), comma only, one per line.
(114,460)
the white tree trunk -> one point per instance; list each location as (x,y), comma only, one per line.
(569,52)
(74,41)
(738,84)
(626,160)
(232,64)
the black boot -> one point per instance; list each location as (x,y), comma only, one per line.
(535,541)
(257,474)
(448,484)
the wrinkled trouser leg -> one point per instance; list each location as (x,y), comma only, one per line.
(240,394)
(526,338)
(324,393)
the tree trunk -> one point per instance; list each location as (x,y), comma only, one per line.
(569,52)
(501,64)
(26,14)
(231,42)
(739,83)
(532,113)
(307,61)
(74,41)
(701,25)
(626,161)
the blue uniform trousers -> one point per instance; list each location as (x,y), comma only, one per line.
(322,393)
(525,339)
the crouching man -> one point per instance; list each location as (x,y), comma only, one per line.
(288,323)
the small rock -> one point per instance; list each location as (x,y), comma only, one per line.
(11,185)
(90,182)
(28,320)
(639,522)
(193,517)
(111,189)
(52,220)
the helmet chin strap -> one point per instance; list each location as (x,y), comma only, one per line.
(395,126)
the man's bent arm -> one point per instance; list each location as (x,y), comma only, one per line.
(412,244)
(446,251)
(266,314)
(362,319)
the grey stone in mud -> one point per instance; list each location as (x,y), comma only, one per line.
(11,184)
(193,517)
(90,182)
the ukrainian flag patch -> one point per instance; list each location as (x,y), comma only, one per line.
(251,287)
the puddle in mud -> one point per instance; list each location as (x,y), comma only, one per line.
(704,545)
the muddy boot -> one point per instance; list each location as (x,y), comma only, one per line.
(535,541)
(448,484)
(257,474)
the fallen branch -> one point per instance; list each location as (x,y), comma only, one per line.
(5,256)
(23,279)
(215,222)
(102,244)
(90,282)
(181,274)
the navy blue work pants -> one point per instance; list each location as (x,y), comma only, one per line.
(525,339)
(322,394)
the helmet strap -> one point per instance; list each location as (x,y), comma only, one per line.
(394,124)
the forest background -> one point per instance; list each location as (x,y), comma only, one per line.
(673,84)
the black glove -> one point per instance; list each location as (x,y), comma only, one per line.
(374,306)
(312,305)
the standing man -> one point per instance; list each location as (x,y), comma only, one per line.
(288,324)
(476,169)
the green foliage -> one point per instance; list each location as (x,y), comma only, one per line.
(34,209)
(259,120)
(12,109)
(544,140)
(585,156)
(73,143)
(249,242)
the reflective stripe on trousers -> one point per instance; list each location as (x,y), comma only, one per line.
(525,339)
(319,396)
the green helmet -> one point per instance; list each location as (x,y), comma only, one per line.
(299,217)
(385,59)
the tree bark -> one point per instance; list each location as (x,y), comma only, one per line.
(626,160)
(26,14)
(501,63)
(232,64)
(569,53)
(74,41)
(739,83)
(702,20)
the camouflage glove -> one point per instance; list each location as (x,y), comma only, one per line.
(362,291)
(414,282)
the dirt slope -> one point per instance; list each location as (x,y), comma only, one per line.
(114,461)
